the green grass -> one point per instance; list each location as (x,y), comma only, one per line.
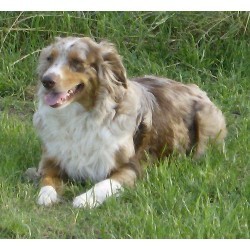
(178,197)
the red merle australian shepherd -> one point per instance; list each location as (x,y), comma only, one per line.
(96,124)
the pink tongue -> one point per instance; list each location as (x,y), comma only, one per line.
(54,98)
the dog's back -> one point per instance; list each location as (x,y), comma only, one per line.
(184,118)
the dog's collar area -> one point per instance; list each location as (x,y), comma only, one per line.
(57,99)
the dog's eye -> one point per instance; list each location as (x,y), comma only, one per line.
(76,61)
(77,64)
(49,58)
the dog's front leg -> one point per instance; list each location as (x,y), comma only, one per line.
(51,182)
(104,189)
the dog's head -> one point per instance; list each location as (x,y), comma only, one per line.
(75,69)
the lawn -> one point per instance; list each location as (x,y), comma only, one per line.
(178,197)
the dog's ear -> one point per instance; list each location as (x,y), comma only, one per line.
(112,67)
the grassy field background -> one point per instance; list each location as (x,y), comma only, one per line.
(179,198)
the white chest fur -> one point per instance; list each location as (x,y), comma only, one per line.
(84,144)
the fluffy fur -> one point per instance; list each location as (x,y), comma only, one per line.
(96,124)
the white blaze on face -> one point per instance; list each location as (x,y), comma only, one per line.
(55,69)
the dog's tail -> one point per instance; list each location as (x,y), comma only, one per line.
(210,124)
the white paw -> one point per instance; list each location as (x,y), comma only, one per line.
(97,194)
(47,196)
(85,201)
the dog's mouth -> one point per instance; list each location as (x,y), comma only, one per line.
(57,99)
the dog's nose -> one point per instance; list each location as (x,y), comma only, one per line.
(48,81)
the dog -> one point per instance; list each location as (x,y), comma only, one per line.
(96,124)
